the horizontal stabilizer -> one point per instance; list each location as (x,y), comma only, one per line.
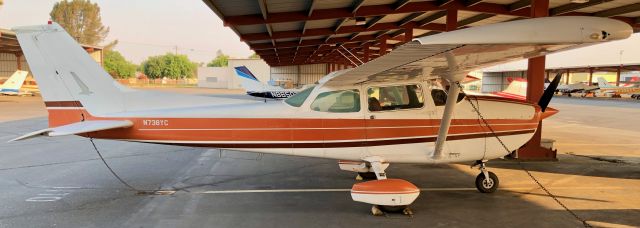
(78,128)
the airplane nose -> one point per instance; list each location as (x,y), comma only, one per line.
(549,112)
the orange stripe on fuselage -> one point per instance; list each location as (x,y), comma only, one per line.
(276,129)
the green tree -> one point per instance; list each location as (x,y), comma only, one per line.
(170,66)
(81,19)
(221,60)
(254,56)
(117,65)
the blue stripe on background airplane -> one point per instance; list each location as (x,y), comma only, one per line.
(14,83)
(259,89)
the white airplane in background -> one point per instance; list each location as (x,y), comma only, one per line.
(385,111)
(517,89)
(12,86)
(577,87)
(259,89)
(615,91)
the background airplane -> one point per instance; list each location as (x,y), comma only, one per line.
(616,91)
(14,83)
(577,87)
(257,88)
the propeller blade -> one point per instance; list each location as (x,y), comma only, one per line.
(548,93)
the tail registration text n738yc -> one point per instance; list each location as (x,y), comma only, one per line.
(403,107)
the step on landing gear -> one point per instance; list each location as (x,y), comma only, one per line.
(385,195)
(486,182)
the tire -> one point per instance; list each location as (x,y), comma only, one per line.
(487,187)
(392,209)
(368,176)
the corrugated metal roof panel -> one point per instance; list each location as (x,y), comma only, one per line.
(607,5)
(235,8)
(332,4)
(277,6)
(287,26)
(244,29)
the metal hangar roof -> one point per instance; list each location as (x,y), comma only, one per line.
(294,32)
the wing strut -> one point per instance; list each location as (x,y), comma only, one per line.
(452,98)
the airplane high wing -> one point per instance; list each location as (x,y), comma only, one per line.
(454,54)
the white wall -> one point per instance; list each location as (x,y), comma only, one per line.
(225,77)
(215,77)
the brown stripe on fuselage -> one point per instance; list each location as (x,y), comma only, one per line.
(347,144)
(59,104)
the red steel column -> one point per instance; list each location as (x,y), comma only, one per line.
(618,76)
(366,52)
(18,62)
(408,32)
(452,20)
(383,46)
(535,86)
(590,76)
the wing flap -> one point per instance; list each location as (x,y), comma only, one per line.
(78,128)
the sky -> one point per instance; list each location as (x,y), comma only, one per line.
(146,27)
(153,27)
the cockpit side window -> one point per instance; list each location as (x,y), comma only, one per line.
(298,99)
(339,101)
(395,97)
(440,97)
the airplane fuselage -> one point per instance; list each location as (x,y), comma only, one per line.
(403,134)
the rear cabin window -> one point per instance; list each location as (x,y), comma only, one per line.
(337,101)
(440,97)
(298,99)
(395,97)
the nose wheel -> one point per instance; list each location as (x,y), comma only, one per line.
(486,182)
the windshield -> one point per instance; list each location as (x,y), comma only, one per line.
(299,98)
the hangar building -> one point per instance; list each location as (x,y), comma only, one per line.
(345,33)
(493,81)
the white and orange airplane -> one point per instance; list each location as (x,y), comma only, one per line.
(388,110)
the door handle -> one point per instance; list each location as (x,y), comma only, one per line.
(372,117)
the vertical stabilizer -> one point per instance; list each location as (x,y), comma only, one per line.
(251,83)
(602,83)
(65,72)
(14,83)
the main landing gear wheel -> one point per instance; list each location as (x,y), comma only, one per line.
(487,185)
(368,176)
(380,210)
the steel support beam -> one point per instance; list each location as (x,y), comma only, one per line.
(474,19)
(568,8)
(18,62)
(452,20)
(383,46)
(618,75)
(618,10)
(535,86)
(590,76)
(367,11)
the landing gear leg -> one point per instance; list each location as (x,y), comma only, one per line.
(486,182)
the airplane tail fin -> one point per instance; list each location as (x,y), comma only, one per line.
(67,76)
(517,89)
(250,82)
(14,83)
(602,83)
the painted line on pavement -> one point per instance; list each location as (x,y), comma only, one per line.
(421,189)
